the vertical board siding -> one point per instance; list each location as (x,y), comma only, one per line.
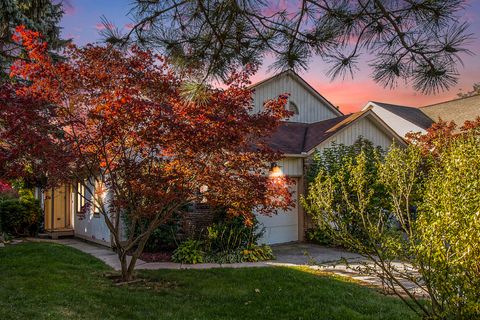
(92,226)
(363,127)
(310,108)
(292,167)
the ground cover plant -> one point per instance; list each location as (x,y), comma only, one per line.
(228,240)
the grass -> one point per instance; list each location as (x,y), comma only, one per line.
(49,281)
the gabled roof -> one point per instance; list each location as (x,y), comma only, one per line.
(302,82)
(294,138)
(458,110)
(413,115)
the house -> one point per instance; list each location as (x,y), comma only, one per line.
(405,119)
(458,110)
(401,119)
(65,214)
(315,125)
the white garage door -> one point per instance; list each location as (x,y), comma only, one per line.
(283,226)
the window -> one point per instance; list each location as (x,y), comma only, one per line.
(80,203)
(84,201)
(79,197)
(98,197)
(293,107)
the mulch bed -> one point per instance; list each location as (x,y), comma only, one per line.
(156,256)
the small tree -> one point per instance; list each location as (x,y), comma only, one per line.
(118,124)
(430,245)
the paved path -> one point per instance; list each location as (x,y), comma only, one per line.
(111,258)
(291,255)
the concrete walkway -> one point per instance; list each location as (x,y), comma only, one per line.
(110,258)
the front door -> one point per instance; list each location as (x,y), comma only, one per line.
(58,208)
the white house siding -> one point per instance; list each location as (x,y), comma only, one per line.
(91,226)
(363,127)
(292,167)
(311,109)
(397,123)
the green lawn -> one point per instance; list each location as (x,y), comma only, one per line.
(48,281)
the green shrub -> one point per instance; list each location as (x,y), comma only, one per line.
(189,252)
(20,216)
(164,237)
(319,236)
(336,165)
(232,234)
(257,253)
(229,240)
(435,204)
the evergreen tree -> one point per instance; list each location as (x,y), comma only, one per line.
(38,15)
(418,42)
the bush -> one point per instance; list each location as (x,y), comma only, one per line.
(20,216)
(189,252)
(232,234)
(257,253)
(319,236)
(163,238)
(229,240)
(336,166)
(435,202)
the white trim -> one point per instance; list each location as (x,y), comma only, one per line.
(382,126)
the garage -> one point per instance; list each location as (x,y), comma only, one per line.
(283,226)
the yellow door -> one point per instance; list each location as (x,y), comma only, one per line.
(57,208)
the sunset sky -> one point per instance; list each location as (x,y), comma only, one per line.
(82,23)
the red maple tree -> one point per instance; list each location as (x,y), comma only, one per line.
(441,133)
(120,120)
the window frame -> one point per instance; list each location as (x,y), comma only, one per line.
(293,107)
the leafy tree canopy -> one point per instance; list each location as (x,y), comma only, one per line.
(475,90)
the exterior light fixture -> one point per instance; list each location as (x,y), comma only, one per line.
(275,170)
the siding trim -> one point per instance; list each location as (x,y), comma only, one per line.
(376,120)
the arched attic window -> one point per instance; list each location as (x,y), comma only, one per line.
(292,107)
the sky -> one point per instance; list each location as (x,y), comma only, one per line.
(82,23)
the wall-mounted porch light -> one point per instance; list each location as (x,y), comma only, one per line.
(275,170)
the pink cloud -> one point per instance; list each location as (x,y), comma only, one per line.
(352,96)
(128,26)
(100,26)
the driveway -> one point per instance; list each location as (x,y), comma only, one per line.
(332,260)
(310,254)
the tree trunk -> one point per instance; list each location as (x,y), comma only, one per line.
(128,268)
(123,257)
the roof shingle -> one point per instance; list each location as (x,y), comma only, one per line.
(414,115)
(297,138)
(458,110)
